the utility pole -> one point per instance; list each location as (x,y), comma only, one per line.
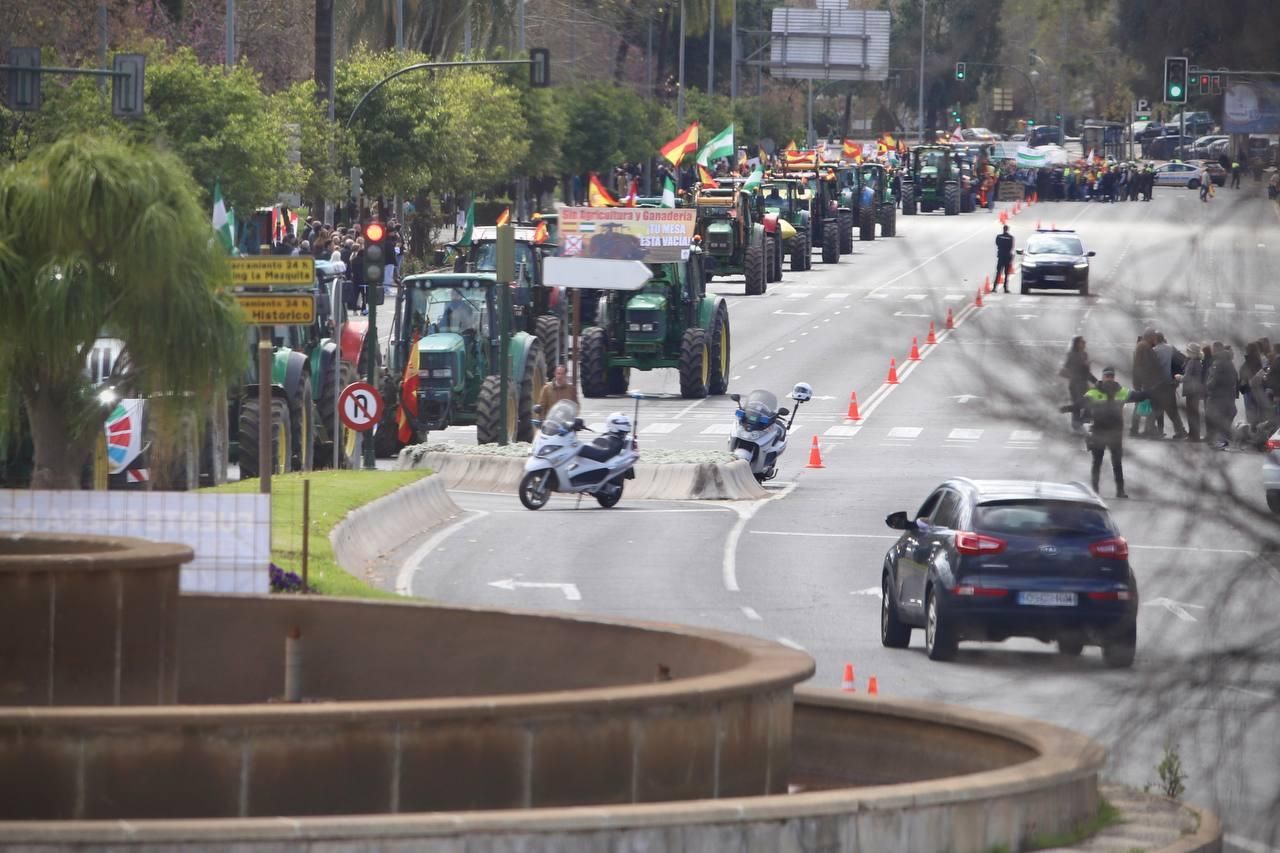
(231,33)
(733,54)
(680,81)
(920,116)
(711,50)
(102,43)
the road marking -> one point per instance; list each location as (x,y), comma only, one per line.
(661,428)
(718,429)
(905,432)
(914,297)
(882,393)
(1146,303)
(750,613)
(779,349)
(570,590)
(876,296)
(404,578)
(842,431)
(1244,843)
(905,314)
(836,296)
(799,295)
(729,562)
(1230,306)
(752,367)
(781,313)
(792,644)
(871,590)
(964,398)
(1263,307)
(964,435)
(1025,436)
(736,378)
(1246,691)
(955,297)
(823,535)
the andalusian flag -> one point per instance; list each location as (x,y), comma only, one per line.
(685,143)
(752,183)
(465,239)
(668,192)
(721,145)
(504,217)
(705,178)
(597,195)
(223,224)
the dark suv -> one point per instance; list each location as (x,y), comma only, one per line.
(993,559)
(1055,259)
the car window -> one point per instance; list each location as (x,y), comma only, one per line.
(948,512)
(927,508)
(1043,244)
(1039,517)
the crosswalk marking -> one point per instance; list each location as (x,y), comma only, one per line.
(842,431)
(914,297)
(1230,306)
(1024,436)
(954,297)
(661,428)
(801,295)
(1263,307)
(836,296)
(718,429)
(964,435)
(905,432)
(877,296)
(1146,303)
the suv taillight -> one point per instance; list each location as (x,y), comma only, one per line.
(1273,444)
(977,543)
(1115,548)
(1111,595)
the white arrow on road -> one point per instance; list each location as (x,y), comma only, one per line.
(871,590)
(570,590)
(905,314)
(1177,608)
(964,398)
(792,313)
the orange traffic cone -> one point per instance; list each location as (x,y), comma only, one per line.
(893,372)
(1037,224)
(846,683)
(873,689)
(933,337)
(915,351)
(951,321)
(986,283)
(815,455)
(853,407)
(978,301)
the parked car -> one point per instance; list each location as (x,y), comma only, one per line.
(1151,131)
(1200,148)
(1217,174)
(1271,471)
(1195,123)
(1044,135)
(1165,147)
(993,559)
(979,134)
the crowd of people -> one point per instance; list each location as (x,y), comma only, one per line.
(345,244)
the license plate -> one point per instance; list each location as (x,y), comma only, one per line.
(1055,278)
(1048,599)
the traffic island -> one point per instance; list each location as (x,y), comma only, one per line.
(660,474)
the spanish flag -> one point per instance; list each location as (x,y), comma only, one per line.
(685,143)
(800,159)
(597,195)
(504,217)
(540,234)
(889,141)
(707,179)
(408,394)
(850,150)
(791,146)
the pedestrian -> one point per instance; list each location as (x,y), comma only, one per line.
(1106,402)
(1221,388)
(1079,380)
(1164,391)
(1204,183)
(559,388)
(1004,257)
(1251,383)
(1235,174)
(1195,370)
(1146,373)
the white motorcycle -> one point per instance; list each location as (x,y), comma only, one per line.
(760,435)
(560,462)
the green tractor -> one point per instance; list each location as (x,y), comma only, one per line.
(831,218)
(444,370)
(874,201)
(735,240)
(670,322)
(785,198)
(931,180)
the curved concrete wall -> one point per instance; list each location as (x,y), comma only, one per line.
(1013,780)
(368,532)
(540,711)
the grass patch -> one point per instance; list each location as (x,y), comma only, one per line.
(333,495)
(1106,816)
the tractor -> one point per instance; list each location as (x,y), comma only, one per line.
(444,370)
(831,218)
(931,180)
(670,322)
(735,240)
(874,202)
(786,198)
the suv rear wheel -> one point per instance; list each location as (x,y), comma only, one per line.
(1120,648)
(939,636)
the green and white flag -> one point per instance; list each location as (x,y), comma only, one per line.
(668,192)
(1030,158)
(757,177)
(721,145)
(222,222)
(465,238)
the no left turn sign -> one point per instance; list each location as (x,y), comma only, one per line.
(360,406)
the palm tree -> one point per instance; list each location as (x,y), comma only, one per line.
(433,27)
(97,235)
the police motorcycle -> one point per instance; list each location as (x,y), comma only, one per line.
(760,435)
(561,462)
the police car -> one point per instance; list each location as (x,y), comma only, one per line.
(1055,259)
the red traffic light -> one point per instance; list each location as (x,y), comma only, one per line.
(374,232)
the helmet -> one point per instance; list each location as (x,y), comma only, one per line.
(618,423)
(802,393)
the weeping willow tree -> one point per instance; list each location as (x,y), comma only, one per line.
(101,236)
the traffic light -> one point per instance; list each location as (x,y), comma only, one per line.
(374,260)
(1175,79)
(1204,84)
(1031,122)
(960,71)
(1216,85)
(1057,117)
(357,182)
(539,68)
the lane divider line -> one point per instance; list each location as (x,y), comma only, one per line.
(881,393)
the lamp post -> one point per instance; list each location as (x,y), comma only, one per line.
(920,104)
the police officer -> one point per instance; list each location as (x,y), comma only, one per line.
(1004,258)
(1106,402)
(1235,174)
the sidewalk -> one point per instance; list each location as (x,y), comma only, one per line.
(1150,822)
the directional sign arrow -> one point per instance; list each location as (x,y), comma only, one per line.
(1177,608)
(595,273)
(570,590)
(964,398)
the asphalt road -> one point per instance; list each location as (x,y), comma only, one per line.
(804,566)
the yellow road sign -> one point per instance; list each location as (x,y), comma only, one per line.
(272,269)
(269,309)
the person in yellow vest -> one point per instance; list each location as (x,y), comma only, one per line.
(1235,174)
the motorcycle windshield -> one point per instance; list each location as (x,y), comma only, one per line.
(560,419)
(759,409)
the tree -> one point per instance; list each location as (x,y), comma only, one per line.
(99,235)
(609,125)
(432,27)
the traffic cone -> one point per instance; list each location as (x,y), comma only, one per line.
(978,301)
(846,683)
(1037,224)
(853,407)
(951,321)
(933,338)
(915,351)
(986,283)
(873,689)
(815,455)
(893,372)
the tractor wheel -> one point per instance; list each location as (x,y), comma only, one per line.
(800,250)
(720,351)
(967,203)
(547,330)
(619,380)
(808,249)
(866,224)
(754,269)
(302,418)
(845,218)
(214,446)
(773,257)
(326,409)
(281,437)
(951,200)
(888,221)
(535,376)
(830,241)
(908,200)
(489,411)
(594,362)
(695,364)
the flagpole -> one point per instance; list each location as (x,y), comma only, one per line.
(711,50)
(680,80)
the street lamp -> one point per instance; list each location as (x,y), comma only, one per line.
(1032,76)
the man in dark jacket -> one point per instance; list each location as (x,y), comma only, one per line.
(1004,258)
(1106,402)
(1146,375)
(1221,388)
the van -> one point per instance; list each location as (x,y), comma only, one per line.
(1044,135)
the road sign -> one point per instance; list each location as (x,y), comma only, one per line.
(360,406)
(269,309)
(252,270)
(595,273)
(1143,106)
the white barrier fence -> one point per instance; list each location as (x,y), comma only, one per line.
(229,533)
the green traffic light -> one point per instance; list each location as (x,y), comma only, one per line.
(1175,91)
